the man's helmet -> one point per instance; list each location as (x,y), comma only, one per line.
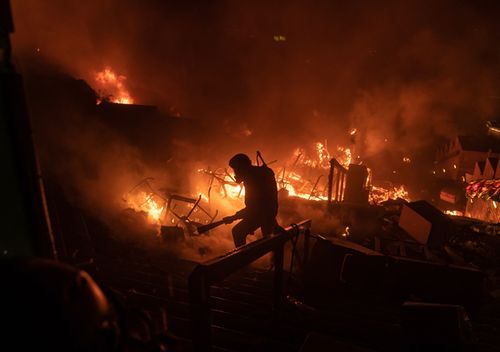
(240,161)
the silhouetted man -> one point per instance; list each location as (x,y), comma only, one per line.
(261,199)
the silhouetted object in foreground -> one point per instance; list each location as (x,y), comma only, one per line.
(261,199)
(435,327)
(25,223)
(47,305)
(426,224)
(355,189)
(50,306)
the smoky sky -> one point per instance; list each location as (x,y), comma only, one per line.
(410,72)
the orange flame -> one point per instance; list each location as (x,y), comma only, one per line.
(220,191)
(148,203)
(454,213)
(381,194)
(111,87)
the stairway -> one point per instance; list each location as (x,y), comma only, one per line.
(243,319)
(242,314)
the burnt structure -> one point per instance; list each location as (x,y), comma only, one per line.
(457,159)
(356,190)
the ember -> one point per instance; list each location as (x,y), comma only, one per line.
(454,213)
(381,194)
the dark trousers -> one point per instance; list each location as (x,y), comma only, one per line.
(248,225)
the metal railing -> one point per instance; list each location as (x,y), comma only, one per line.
(214,271)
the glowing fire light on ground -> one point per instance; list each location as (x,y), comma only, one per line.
(111,87)
(454,213)
(303,176)
(220,191)
(380,194)
(148,203)
(144,199)
(322,157)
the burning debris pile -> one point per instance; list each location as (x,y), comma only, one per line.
(111,87)
(380,194)
(307,176)
(144,199)
(167,209)
(215,193)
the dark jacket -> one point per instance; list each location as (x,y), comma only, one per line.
(261,193)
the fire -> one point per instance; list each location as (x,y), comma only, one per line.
(346,232)
(305,176)
(344,156)
(323,155)
(381,194)
(148,203)
(143,198)
(225,185)
(220,191)
(111,87)
(454,213)
(300,191)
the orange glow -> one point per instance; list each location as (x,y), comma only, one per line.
(381,194)
(323,154)
(303,176)
(307,176)
(147,202)
(111,87)
(454,213)
(344,156)
(219,190)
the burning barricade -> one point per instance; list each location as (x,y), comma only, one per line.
(171,214)
(313,179)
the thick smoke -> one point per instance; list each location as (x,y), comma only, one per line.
(290,71)
(275,75)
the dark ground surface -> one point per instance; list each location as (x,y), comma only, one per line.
(152,282)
